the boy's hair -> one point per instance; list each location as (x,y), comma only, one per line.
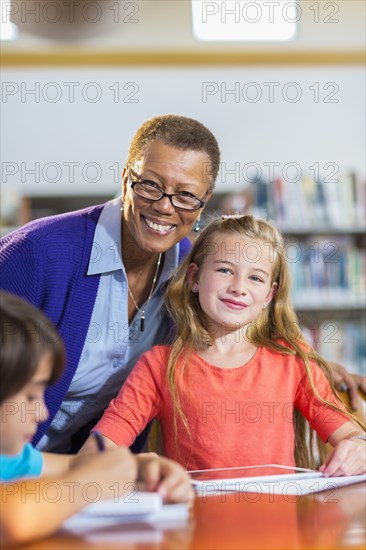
(276,327)
(182,133)
(25,336)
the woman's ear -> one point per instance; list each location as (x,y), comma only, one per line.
(124,182)
(209,195)
(192,277)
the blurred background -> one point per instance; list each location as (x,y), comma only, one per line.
(280,83)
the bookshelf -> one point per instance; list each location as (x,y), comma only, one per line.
(324,227)
(18,209)
(329,293)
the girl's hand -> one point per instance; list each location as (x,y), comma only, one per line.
(165,476)
(347,458)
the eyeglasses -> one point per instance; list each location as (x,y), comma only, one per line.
(152,192)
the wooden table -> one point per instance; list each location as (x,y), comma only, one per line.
(244,521)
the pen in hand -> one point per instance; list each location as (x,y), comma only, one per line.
(100,441)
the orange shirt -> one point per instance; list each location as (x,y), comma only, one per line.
(236,417)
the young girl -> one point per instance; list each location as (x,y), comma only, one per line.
(240,380)
(31,358)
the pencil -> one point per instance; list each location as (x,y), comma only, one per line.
(100,441)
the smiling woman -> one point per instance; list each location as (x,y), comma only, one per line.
(99,273)
(165,168)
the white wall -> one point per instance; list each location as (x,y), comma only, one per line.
(49,129)
(53,129)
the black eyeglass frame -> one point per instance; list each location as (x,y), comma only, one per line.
(201,202)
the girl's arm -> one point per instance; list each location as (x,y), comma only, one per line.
(128,414)
(348,457)
(35,508)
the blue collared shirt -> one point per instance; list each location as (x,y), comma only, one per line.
(112,345)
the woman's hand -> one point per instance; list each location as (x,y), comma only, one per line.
(345,381)
(347,458)
(165,476)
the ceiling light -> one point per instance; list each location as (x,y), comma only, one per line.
(257,20)
(8,30)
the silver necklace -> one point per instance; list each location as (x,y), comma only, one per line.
(140,310)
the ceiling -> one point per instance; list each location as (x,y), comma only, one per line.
(145,25)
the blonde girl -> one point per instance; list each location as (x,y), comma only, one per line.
(239,382)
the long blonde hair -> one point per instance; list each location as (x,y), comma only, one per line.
(276,328)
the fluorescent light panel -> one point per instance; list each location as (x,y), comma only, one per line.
(8,30)
(256,20)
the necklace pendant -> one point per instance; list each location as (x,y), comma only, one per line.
(141,311)
(142,321)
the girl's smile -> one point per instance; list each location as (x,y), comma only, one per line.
(233,304)
(235,282)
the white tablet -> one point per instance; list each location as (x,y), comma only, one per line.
(230,477)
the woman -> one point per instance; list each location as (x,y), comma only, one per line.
(99,273)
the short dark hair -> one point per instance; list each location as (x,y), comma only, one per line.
(26,334)
(180,132)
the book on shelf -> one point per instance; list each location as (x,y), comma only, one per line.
(339,341)
(327,271)
(306,203)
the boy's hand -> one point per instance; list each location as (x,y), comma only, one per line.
(346,459)
(114,470)
(165,476)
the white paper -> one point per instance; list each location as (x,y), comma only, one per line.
(135,503)
(136,518)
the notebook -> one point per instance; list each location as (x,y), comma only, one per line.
(137,503)
(137,518)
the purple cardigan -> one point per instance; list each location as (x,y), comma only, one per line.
(45,262)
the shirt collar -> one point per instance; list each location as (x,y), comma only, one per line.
(105,254)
